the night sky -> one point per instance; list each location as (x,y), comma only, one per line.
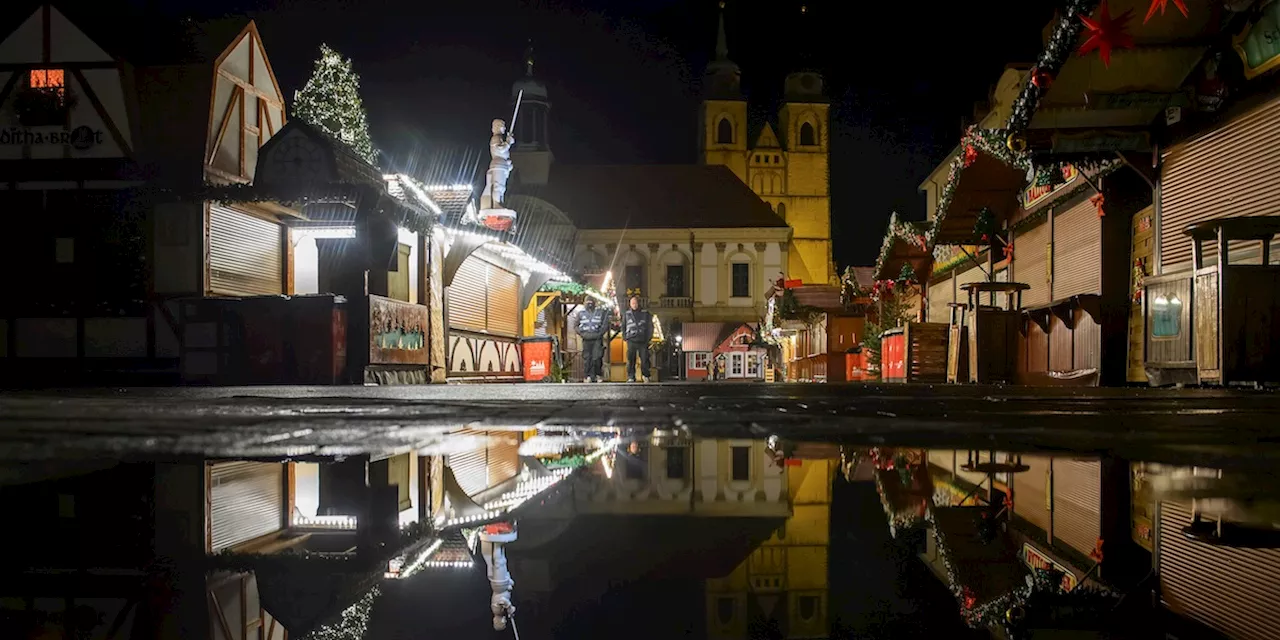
(623,77)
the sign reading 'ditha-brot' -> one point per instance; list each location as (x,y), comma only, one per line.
(81,138)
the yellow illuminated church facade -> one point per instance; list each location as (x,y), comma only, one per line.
(786,162)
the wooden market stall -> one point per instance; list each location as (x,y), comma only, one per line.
(915,352)
(992,331)
(1236,307)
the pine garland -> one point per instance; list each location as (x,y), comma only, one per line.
(908,232)
(331,102)
(1062,43)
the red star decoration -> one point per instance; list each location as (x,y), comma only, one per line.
(1162,5)
(970,155)
(1106,33)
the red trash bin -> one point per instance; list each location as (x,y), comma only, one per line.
(538,354)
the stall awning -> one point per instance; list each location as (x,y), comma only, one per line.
(904,244)
(987,183)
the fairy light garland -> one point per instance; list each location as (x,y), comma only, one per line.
(353,623)
(330,101)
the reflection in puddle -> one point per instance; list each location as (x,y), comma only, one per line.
(551,529)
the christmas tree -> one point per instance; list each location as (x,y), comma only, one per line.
(331,102)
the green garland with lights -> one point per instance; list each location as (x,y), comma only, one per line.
(330,101)
(789,308)
(1062,44)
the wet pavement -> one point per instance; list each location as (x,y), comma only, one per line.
(1204,427)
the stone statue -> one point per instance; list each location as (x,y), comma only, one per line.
(495,184)
(493,211)
(493,539)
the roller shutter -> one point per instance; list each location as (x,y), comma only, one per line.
(974,274)
(484,298)
(504,300)
(1077,250)
(1077,503)
(941,295)
(246,254)
(1227,172)
(466,298)
(1030,492)
(504,456)
(246,500)
(1031,263)
(470,466)
(1234,591)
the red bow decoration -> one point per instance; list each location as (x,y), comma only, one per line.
(1161,5)
(970,155)
(1096,554)
(1098,200)
(1008,501)
(1008,252)
(1106,33)
(1041,78)
(924,243)
(968,599)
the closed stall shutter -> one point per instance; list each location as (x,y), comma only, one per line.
(1224,173)
(943,459)
(1030,492)
(940,295)
(504,456)
(1077,250)
(246,254)
(1031,263)
(470,466)
(466,296)
(246,501)
(504,300)
(1234,591)
(974,274)
(1077,503)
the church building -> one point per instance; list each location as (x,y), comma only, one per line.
(785,160)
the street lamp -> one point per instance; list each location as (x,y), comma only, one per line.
(680,358)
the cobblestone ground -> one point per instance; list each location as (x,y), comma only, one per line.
(1188,426)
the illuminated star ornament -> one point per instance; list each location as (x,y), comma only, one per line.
(1162,5)
(1106,33)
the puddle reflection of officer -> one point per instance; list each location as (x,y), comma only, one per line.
(633,460)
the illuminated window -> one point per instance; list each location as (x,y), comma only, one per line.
(44,101)
(740,463)
(1166,316)
(700,360)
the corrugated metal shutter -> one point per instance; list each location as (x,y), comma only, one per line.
(466,296)
(245,254)
(504,456)
(1030,492)
(504,301)
(1235,591)
(1077,503)
(943,459)
(1031,263)
(246,501)
(470,467)
(940,295)
(974,274)
(1224,173)
(1077,250)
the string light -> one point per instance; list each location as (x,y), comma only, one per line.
(353,623)
(330,101)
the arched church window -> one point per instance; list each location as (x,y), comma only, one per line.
(808,135)
(724,132)
(782,210)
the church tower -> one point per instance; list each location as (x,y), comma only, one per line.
(804,121)
(722,124)
(531,156)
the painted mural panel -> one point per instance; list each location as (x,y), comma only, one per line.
(397,332)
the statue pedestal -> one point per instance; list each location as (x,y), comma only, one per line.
(498,219)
